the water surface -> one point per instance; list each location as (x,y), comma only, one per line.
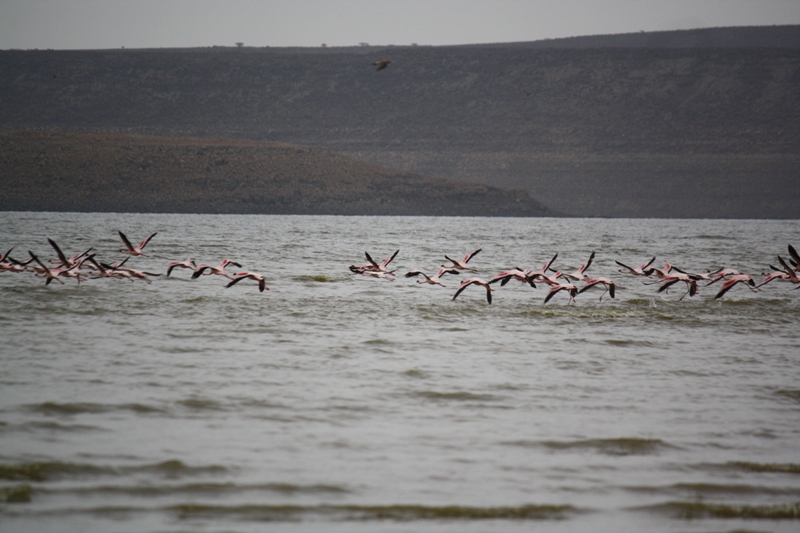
(335,402)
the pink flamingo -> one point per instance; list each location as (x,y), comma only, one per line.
(63,260)
(9,264)
(515,273)
(382,266)
(541,274)
(725,273)
(610,286)
(103,272)
(432,280)
(475,281)
(744,279)
(134,250)
(558,287)
(380,275)
(239,276)
(638,271)
(580,274)
(130,273)
(374,266)
(50,273)
(189,263)
(777,274)
(788,274)
(671,279)
(462,265)
(216,270)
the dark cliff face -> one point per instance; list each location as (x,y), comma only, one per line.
(111,172)
(639,127)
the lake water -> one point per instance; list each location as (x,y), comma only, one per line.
(335,402)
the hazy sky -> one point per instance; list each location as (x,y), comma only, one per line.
(76,24)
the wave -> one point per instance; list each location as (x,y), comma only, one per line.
(402,513)
(78,408)
(455,396)
(322,278)
(337,513)
(618,446)
(18,494)
(702,490)
(696,510)
(49,426)
(56,470)
(781,468)
(630,343)
(199,489)
(792,394)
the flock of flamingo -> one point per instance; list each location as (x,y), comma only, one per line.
(86,265)
(558,281)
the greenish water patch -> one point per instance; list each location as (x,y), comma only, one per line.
(18,494)
(792,394)
(458,396)
(201,404)
(322,278)
(56,470)
(782,468)
(619,446)
(79,408)
(696,510)
(400,513)
(48,471)
(199,489)
(629,343)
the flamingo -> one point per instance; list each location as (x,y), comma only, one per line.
(63,260)
(462,265)
(103,272)
(189,263)
(515,273)
(550,280)
(541,274)
(373,266)
(432,280)
(672,279)
(725,273)
(610,286)
(381,275)
(579,275)
(49,273)
(239,276)
(218,270)
(558,287)
(788,275)
(131,272)
(777,274)
(661,273)
(705,276)
(9,264)
(475,281)
(745,279)
(134,250)
(382,266)
(638,271)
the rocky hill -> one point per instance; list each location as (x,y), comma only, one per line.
(114,172)
(704,123)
